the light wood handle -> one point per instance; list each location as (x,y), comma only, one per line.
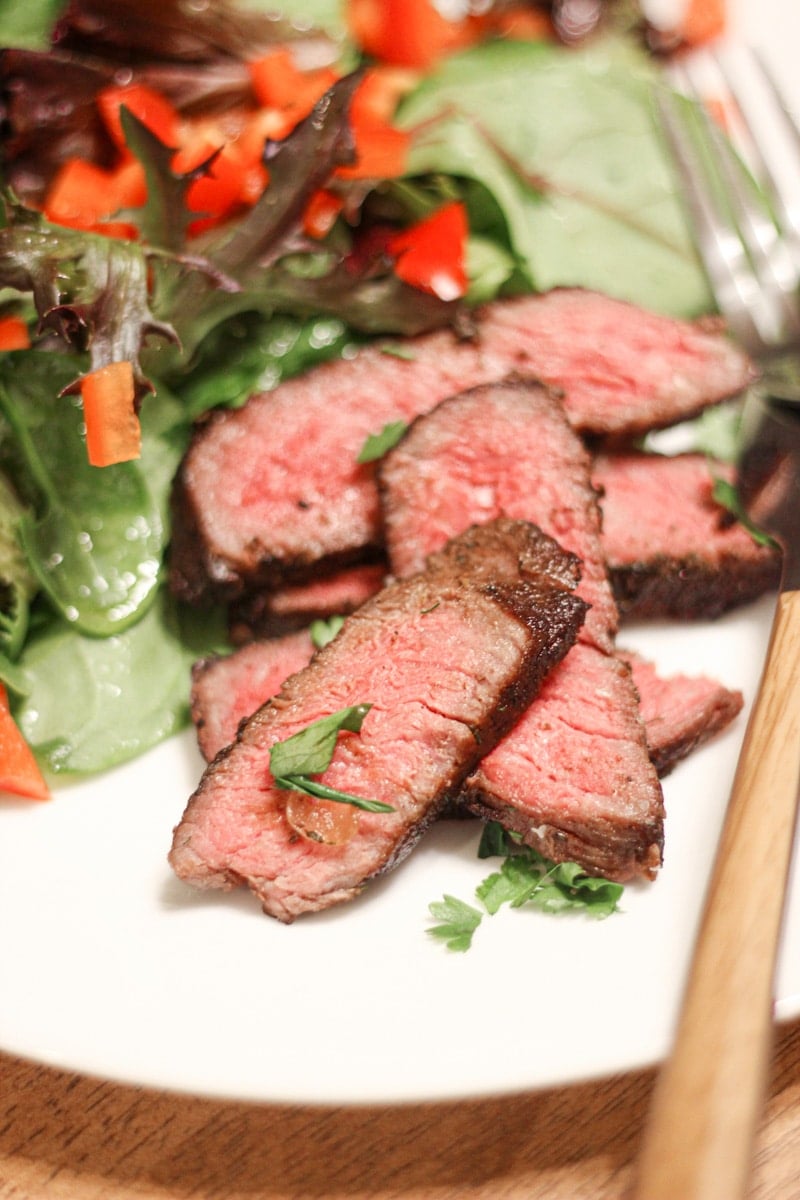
(699,1140)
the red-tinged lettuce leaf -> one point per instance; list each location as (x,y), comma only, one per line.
(164,219)
(134,31)
(48,115)
(91,291)
(196,56)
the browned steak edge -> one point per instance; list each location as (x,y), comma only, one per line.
(690,588)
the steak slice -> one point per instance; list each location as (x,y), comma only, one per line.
(500,448)
(507,447)
(269,613)
(228,688)
(570,777)
(271,492)
(671,549)
(448,659)
(680,712)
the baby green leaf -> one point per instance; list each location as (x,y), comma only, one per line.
(310,751)
(457,922)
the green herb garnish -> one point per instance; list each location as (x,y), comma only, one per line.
(310,751)
(378,444)
(525,877)
(457,922)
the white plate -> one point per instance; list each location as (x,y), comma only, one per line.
(114,968)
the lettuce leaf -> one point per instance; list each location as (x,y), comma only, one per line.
(564,146)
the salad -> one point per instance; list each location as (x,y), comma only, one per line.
(197,206)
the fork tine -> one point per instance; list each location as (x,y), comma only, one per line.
(775,265)
(784,198)
(718,243)
(747,232)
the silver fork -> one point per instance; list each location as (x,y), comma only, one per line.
(698,1143)
(746,226)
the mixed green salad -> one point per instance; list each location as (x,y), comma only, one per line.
(550,154)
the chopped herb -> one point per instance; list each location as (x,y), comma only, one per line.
(494,841)
(457,922)
(525,877)
(728,497)
(323,631)
(378,444)
(310,787)
(310,751)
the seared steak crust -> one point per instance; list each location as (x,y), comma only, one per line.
(448,659)
(272,492)
(671,549)
(270,613)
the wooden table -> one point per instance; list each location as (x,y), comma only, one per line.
(71,1137)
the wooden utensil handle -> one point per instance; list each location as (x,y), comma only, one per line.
(698,1144)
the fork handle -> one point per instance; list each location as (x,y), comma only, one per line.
(698,1144)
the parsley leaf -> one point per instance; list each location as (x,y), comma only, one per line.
(525,877)
(378,444)
(310,751)
(457,922)
(528,878)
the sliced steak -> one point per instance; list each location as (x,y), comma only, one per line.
(271,492)
(269,613)
(574,777)
(228,688)
(448,659)
(507,447)
(671,549)
(680,712)
(500,448)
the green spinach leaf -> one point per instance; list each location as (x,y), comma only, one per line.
(96,538)
(91,703)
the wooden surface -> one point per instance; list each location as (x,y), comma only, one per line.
(71,1137)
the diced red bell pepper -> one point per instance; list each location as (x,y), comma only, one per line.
(279,83)
(19,770)
(431,254)
(381,149)
(321,212)
(14,334)
(408,33)
(84,196)
(381,153)
(113,433)
(152,109)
